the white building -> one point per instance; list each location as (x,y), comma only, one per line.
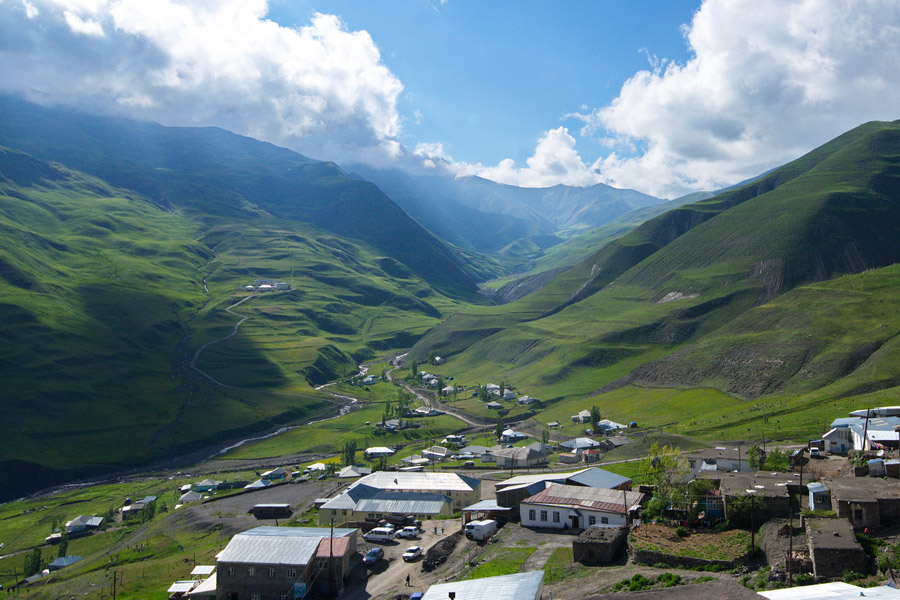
(378,452)
(578,507)
(518,586)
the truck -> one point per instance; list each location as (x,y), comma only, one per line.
(481,530)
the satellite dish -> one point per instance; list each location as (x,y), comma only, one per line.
(881,452)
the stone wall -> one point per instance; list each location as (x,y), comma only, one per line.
(649,557)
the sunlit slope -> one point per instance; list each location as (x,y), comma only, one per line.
(684,275)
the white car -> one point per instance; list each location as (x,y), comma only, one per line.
(409,533)
(412,553)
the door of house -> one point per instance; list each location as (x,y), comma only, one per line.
(574,519)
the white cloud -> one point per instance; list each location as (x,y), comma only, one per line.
(768,81)
(320,89)
(555,161)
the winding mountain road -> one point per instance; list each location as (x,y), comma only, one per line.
(466,418)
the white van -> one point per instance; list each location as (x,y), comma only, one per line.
(481,530)
(380,534)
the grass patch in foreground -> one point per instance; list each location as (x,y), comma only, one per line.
(560,565)
(725,545)
(505,562)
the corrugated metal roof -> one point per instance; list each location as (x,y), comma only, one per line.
(518,586)
(486,505)
(411,504)
(578,496)
(332,547)
(387,480)
(598,478)
(270,549)
(299,531)
(206,587)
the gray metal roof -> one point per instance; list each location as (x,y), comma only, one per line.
(486,505)
(598,478)
(405,503)
(518,586)
(438,482)
(270,549)
(298,531)
(580,443)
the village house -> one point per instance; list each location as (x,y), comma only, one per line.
(510,436)
(131,509)
(865,501)
(83,524)
(857,432)
(718,459)
(562,506)
(833,548)
(459,490)
(528,400)
(579,445)
(369,380)
(353,471)
(494,405)
(770,492)
(282,562)
(363,503)
(275,474)
(378,452)
(515,489)
(438,453)
(207,485)
(582,417)
(523,457)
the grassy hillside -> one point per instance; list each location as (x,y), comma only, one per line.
(676,302)
(106,296)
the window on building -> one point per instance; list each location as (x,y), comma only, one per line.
(292,573)
(344,512)
(604,520)
(532,514)
(250,571)
(555,516)
(592,520)
(283,596)
(543,515)
(231,570)
(255,596)
(271,572)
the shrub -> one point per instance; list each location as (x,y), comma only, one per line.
(669,579)
(804,579)
(704,579)
(850,576)
(682,531)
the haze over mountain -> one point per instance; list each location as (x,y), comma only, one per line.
(486,216)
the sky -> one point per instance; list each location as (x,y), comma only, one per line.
(662,96)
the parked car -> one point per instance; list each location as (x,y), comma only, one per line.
(379,534)
(412,553)
(410,532)
(373,556)
(814,453)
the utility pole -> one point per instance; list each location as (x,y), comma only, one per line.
(752,493)
(790,560)
(115,574)
(331,556)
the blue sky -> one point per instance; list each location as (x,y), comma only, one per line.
(489,78)
(665,97)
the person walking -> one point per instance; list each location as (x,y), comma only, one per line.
(407,580)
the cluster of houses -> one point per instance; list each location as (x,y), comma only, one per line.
(267,285)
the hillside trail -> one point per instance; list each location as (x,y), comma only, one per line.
(234,330)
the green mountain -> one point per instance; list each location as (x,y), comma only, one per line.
(709,294)
(215,172)
(123,246)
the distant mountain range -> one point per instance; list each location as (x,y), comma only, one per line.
(481,215)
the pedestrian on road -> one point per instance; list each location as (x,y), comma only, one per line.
(407,580)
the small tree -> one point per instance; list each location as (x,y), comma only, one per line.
(32,563)
(545,436)
(595,418)
(414,369)
(753,457)
(664,469)
(348,454)
(63,545)
(498,430)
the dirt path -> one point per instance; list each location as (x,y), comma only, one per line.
(470,420)
(539,557)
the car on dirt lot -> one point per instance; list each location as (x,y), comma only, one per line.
(412,553)
(373,556)
(410,532)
